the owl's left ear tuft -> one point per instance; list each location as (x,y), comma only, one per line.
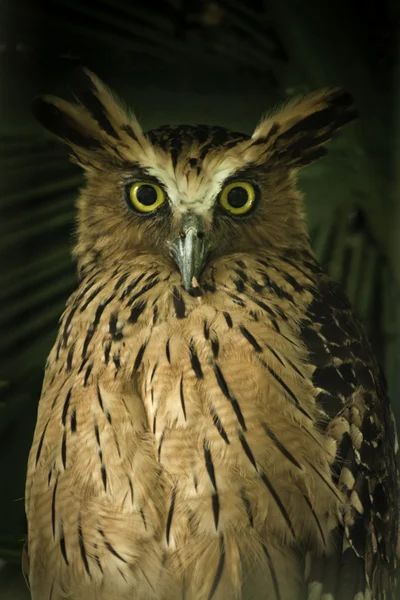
(297,134)
(96,97)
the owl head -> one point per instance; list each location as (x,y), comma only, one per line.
(188,194)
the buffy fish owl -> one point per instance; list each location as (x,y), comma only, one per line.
(213,423)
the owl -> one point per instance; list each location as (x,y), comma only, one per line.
(213,423)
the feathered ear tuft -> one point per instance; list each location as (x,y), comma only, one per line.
(97,127)
(297,134)
(88,90)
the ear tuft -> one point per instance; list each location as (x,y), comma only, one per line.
(88,90)
(338,112)
(61,123)
(297,134)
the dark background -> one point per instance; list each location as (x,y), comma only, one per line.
(224,62)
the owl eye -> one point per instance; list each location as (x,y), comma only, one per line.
(238,197)
(145,197)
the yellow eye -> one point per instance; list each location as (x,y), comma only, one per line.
(238,197)
(145,196)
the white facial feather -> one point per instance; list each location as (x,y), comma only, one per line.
(188,190)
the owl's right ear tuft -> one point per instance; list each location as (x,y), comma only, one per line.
(65,121)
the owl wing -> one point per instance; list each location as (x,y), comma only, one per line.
(352,394)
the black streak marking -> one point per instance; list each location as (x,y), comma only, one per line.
(211,474)
(242,265)
(131,286)
(86,91)
(62,544)
(294,368)
(218,424)
(206,330)
(224,389)
(110,548)
(86,343)
(182,398)
(241,273)
(87,374)
(289,392)
(39,450)
(97,559)
(91,297)
(247,450)
(170,515)
(155,314)
(97,434)
(179,304)
(264,306)
(143,518)
(236,299)
(228,319)
(107,349)
(144,289)
(117,444)
(280,446)
(128,129)
(68,322)
(120,281)
(276,326)
(194,359)
(215,347)
(209,465)
(82,365)
(53,509)
(275,127)
(82,548)
(273,573)
(104,477)
(250,338)
(73,421)
(99,398)
(327,483)
(278,501)
(153,372)
(65,408)
(139,356)
(137,311)
(215,509)
(314,514)
(130,489)
(275,354)
(167,351)
(70,357)
(220,567)
(64,450)
(239,285)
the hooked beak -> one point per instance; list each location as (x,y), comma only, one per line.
(191,250)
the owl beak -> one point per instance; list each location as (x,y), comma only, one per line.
(191,250)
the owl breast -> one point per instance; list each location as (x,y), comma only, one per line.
(187,444)
(231,404)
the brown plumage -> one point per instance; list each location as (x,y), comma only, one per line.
(218,432)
